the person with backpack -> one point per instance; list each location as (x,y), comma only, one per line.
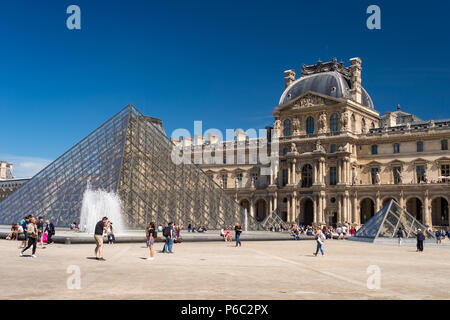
(420,240)
(152,234)
(168,234)
(320,238)
(438,236)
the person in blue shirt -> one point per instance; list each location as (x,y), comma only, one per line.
(24,225)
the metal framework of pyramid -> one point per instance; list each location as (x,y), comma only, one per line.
(131,156)
(385,224)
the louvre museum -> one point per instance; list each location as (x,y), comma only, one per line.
(339,161)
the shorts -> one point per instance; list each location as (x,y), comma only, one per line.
(25,235)
(40,233)
(152,241)
(98,240)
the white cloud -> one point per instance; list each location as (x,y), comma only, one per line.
(25,167)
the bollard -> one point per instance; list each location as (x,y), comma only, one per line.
(67,241)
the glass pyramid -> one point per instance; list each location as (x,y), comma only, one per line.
(131,156)
(385,224)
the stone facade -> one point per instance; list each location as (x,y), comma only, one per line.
(8,182)
(340,161)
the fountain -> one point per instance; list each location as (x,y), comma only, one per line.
(98,204)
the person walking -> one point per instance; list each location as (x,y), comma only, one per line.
(400,236)
(100,227)
(320,239)
(24,223)
(40,227)
(420,239)
(32,237)
(152,234)
(146,233)
(438,235)
(238,231)
(168,234)
(50,229)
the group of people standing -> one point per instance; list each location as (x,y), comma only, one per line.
(34,231)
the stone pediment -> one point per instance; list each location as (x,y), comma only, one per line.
(310,99)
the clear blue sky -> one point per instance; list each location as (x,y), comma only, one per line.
(221,62)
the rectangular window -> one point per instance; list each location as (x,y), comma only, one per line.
(420,173)
(285,177)
(444,144)
(375,149)
(397,175)
(333,148)
(239,180)
(419,146)
(396,148)
(255,179)
(333,176)
(445,170)
(373,174)
(224,181)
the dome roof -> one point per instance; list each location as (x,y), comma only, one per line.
(332,84)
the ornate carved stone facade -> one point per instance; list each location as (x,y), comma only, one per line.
(340,161)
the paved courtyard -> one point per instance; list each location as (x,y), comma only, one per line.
(215,270)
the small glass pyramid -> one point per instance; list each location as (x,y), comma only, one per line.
(385,224)
(131,156)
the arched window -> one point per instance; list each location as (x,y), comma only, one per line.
(310,125)
(307,177)
(334,122)
(363,126)
(287,128)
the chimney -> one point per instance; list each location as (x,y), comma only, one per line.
(187,141)
(355,79)
(199,140)
(240,135)
(289,77)
(213,138)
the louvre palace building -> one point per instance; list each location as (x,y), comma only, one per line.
(340,161)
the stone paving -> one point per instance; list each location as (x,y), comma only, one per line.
(216,270)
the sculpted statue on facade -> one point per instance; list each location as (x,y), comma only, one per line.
(319,147)
(355,177)
(293,147)
(322,122)
(345,120)
(277,126)
(377,178)
(296,125)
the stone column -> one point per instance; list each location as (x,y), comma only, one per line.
(316,208)
(355,209)
(321,171)
(427,218)
(252,207)
(293,172)
(345,208)
(378,203)
(294,207)
(270,204)
(339,213)
(275,201)
(288,208)
(402,200)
